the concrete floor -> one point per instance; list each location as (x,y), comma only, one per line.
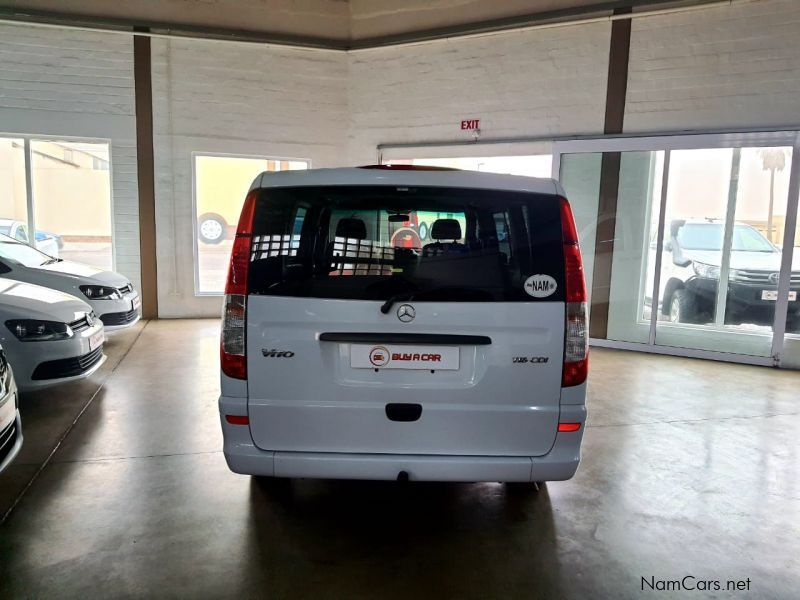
(689,468)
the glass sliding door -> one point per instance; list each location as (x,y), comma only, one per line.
(696,250)
(580,178)
(720,261)
(638,198)
(633,264)
(790,356)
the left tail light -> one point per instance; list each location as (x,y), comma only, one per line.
(233,342)
(233,345)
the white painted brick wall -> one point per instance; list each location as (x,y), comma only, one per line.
(548,82)
(239,99)
(734,67)
(70,83)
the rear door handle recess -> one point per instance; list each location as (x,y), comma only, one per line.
(403,413)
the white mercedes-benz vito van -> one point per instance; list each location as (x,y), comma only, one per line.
(353,348)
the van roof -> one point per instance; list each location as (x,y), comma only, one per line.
(450,178)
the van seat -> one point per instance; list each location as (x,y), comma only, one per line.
(444,229)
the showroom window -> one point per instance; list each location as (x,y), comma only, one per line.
(72,201)
(221,183)
(697,247)
(64,208)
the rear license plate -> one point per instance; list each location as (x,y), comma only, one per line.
(96,340)
(773,295)
(137,302)
(389,356)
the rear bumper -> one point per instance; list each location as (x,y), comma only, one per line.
(244,457)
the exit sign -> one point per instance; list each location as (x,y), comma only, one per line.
(470,124)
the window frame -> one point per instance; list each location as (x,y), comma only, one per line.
(198,293)
(30,192)
(668,143)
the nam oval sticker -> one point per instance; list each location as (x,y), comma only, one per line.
(540,286)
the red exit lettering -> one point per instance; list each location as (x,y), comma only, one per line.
(470,124)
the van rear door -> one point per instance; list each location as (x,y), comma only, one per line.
(363,336)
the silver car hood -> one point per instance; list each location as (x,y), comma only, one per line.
(87,274)
(755,261)
(20,300)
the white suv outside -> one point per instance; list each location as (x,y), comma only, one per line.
(345,354)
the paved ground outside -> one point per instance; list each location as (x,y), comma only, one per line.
(96,254)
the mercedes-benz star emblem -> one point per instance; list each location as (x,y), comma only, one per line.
(406,313)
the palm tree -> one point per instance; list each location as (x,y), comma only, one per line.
(772,159)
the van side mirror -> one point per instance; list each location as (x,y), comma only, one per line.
(668,246)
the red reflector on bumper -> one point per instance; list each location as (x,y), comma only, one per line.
(238,419)
(569,426)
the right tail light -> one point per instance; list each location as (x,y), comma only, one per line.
(576,341)
(233,340)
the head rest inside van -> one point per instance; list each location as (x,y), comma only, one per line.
(446,229)
(353,229)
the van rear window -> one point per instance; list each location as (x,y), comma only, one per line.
(423,243)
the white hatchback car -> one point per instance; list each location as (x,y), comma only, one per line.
(351,352)
(111,296)
(10,422)
(49,337)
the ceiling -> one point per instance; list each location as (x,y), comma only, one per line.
(338,24)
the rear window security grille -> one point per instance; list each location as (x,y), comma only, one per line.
(361,257)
